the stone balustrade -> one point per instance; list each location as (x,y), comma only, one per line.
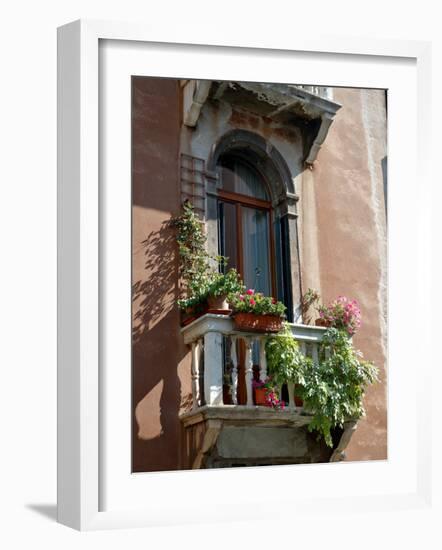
(321,91)
(212,337)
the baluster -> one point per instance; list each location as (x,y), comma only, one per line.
(213,368)
(291,390)
(234,358)
(279,390)
(249,370)
(262,359)
(315,353)
(195,369)
(200,381)
(303,348)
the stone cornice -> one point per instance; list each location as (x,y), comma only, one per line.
(284,103)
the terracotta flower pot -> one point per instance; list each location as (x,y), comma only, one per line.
(260,396)
(191,313)
(249,322)
(218,302)
(320,322)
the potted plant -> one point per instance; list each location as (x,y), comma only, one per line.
(254,312)
(333,389)
(221,287)
(266,395)
(342,313)
(194,267)
(203,287)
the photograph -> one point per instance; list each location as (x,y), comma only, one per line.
(259,274)
(222,275)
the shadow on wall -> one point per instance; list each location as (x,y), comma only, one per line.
(156,351)
(155,296)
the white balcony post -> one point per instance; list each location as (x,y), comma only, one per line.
(213,368)
(262,359)
(315,353)
(291,390)
(249,370)
(303,348)
(234,357)
(196,394)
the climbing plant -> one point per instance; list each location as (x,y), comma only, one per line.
(334,388)
(285,362)
(201,274)
(194,265)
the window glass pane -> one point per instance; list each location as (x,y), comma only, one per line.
(256,250)
(240,177)
(227,232)
(248,182)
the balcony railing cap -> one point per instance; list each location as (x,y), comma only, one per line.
(223,324)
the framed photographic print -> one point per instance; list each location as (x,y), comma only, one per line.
(234,292)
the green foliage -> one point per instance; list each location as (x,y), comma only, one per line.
(227,284)
(194,261)
(257,303)
(333,390)
(198,270)
(285,362)
(342,313)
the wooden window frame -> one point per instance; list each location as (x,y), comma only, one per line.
(243,200)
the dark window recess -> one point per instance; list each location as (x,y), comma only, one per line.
(221,233)
(227,241)
(278,260)
(286,296)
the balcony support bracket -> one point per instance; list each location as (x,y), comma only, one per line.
(209,441)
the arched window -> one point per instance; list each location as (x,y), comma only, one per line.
(245,222)
(252,196)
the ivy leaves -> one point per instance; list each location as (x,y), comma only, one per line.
(194,260)
(198,269)
(285,362)
(333,388)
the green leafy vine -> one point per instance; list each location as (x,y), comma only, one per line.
(333,389)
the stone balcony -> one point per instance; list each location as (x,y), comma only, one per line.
(210,336)
(217,434)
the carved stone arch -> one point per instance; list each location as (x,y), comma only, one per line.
(264,156)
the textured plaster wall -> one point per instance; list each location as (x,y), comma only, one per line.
(345,242)
(161,380)
(217,118)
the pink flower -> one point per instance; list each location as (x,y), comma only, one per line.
(250,291)
(241,297)
(252,302)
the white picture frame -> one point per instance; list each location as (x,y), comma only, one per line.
(79,435)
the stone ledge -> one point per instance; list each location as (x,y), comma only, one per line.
(211,322)
(243,415)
